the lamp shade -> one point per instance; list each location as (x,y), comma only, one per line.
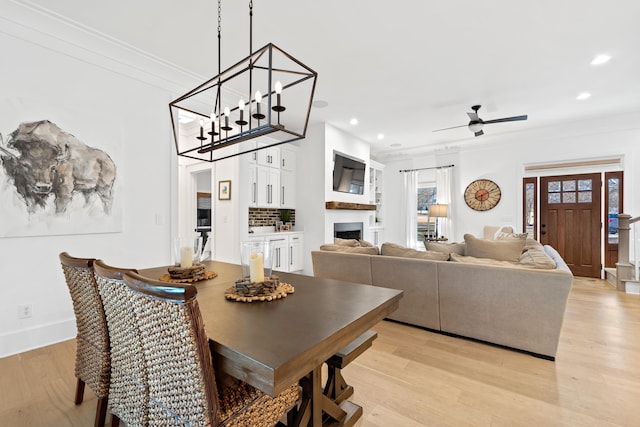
(438,210)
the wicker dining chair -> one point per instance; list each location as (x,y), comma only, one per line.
(128,389)
(183,387)
(92,339)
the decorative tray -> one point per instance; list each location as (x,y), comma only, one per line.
(269,290)
(204,276)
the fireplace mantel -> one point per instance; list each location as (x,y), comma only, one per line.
(350,206)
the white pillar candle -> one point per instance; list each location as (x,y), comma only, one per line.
(186,257)
(256,268)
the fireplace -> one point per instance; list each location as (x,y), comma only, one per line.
(348,230)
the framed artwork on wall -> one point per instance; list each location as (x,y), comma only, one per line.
(224,190)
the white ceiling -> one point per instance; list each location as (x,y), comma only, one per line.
(407,67)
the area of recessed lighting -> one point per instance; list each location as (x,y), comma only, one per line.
(583,96)
(320,103)
(395,144)
(600,59)
(353,121)
(380,136)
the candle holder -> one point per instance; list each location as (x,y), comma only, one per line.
(187,251)
(256,261)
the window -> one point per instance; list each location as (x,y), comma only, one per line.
(426,197)
(530,204)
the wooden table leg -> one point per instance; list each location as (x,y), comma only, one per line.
(318,410)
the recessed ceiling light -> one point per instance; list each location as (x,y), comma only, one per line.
(583,96)
(320,103)
(600,59)
(380,136)
(353,121)
(395,144)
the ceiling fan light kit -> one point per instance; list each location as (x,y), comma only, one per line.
(476,124)
(266,97)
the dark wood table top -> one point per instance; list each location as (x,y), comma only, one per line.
(273,344)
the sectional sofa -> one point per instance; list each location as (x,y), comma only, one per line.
(507,303)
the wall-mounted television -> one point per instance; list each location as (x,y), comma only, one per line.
(348,174)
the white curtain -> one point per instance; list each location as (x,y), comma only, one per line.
(443,195)
(410,203)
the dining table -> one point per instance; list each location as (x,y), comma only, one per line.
(272,344)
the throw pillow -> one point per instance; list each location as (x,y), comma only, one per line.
(490,231)
(391,249)
(501,235)
(350,249)
(537,258)
(500,250)
(445,248)
(346,242)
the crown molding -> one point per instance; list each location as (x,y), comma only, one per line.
(34,24)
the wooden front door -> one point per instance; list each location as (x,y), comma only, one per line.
(570,220)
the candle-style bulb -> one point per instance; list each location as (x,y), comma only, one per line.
(258,114)
(226,126)
(278,107)
(242,121)
(201,137)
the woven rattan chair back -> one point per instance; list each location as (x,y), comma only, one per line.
(128,390)
(92,339)
(182,389)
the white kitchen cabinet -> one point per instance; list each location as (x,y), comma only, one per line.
(296,252)
(268,183)
(287,159)
(279,246)
(253,185)
(269,157)
(287,190)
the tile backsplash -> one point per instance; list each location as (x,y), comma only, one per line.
(263,217)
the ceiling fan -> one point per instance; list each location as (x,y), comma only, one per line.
(476,123)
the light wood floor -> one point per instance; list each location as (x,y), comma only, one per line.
(411,377)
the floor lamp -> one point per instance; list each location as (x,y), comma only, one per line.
(438,211)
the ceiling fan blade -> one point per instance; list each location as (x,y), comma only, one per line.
(480,132)
(453,127)
(473,117)
(507,119)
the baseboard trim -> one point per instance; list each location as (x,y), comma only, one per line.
(27,339)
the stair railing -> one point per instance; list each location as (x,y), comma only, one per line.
(628,237)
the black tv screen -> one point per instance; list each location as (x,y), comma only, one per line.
(348,175)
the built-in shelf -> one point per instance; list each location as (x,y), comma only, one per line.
(350,206)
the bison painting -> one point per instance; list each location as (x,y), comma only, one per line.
(44,161)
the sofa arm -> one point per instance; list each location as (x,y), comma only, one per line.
(514,307)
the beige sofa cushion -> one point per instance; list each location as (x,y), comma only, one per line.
(501,250)
(445,248)
(391,249)
(481,261)
(536,258)
(369,250)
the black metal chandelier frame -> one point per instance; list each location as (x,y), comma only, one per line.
(260,122)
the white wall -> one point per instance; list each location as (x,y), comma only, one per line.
(503,160)
(54,70)
(315,185)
